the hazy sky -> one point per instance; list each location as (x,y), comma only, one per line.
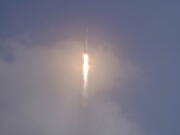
(134,48)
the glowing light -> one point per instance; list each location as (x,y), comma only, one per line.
(85,72)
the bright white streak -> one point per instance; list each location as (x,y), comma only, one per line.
(85,72)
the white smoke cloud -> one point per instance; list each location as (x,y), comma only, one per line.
(40,94)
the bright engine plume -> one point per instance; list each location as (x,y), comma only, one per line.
(85,72)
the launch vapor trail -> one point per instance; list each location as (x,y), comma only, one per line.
(85,72)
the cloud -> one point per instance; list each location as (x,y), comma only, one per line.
(6,52)
(45,37)
(40,94)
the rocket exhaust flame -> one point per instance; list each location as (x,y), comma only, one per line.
(85,72)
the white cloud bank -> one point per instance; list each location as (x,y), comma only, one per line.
(40,94)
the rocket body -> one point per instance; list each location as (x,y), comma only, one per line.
(86,42)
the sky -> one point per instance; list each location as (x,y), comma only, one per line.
(133,81)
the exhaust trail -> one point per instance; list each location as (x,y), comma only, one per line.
(85,73)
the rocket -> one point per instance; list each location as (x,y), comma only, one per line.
(86,42)
(85,65)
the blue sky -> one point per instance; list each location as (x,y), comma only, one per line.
(135,49)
